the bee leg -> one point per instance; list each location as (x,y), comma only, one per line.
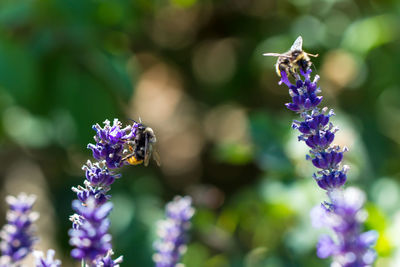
(312,55)
(280,69)
(292,72)
(304,65)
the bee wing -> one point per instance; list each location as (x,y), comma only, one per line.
(156,157)
(274,55)
(147,151)
(298,44)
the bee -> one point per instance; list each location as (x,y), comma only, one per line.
(141,148)
(293,59)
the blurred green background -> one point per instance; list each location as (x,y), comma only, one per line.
(193,70)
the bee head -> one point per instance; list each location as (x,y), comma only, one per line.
(296,54)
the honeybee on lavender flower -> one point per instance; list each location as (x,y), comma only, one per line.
(142,147)
(293,59)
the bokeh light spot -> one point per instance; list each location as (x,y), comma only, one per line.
(340,68)
(364,35)
(214,62)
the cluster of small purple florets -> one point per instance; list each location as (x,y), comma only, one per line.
(18,234)
(351,248)
(171,231)
(89,233)
(316,131)
(49,261)
(110,142)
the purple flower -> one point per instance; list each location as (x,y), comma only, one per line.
(343,213)
(84,193)
(344,217)
(77,220)
(107,261)
(98,181)
(171,231)
(49,261)
(18,234)
(99,175)
(90,235)
(303,93)
(316,131)
(110,142)
(90,224)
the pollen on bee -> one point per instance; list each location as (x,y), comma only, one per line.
(133,161)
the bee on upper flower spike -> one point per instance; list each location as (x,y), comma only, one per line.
(141,148)
(293,59)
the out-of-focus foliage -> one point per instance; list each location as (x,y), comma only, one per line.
(193,71)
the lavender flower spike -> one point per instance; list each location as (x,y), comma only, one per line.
(90,224)
(18,234)
(49,261)
(98,174)
(351,247)
(171,245)
(90,233)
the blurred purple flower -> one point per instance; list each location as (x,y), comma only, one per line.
(90,236)
(49,261)
(351,247)
(107,261)
(77,220)
(17,236)
(171,231)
